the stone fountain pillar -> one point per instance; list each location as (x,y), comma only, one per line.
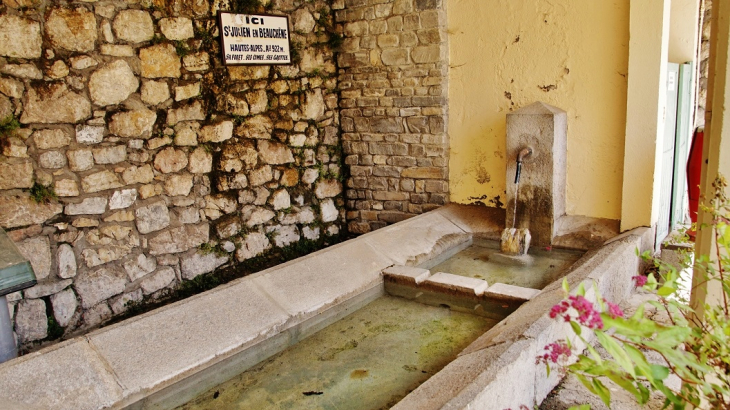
(541,199)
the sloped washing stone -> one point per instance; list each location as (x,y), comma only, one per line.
(66,376)
(486,221)
(152,349)
(324,278)
(417,239)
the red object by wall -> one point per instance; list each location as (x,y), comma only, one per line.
(694,170)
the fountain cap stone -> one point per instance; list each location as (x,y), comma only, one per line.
(537,108)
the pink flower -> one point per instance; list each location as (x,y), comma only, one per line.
(588,316)
(559,309)
(613,310)
(555,352)
(639,280)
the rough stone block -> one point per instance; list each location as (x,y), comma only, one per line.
(80,160)
(16,211)
(284,234)
(89,206)
(64,306)
(327,188)
(99,285)
(179,239)
(51,138)
(160,61)
(66,261)
(52,160)
(424,173)
(138,175)
(134,26)
(54,103)
(72,29)
(198,264)
(274,153)
(426,54)
(177,28)
(152,217)
(38,251)
(160,279)
(155,92)
(20,38)
(395,56)
(112,83)
(216,133)
(100,181)
(66,188)
(123,199)
(17,175)
(254,244)
(31,322)
(133,124)
(46,288)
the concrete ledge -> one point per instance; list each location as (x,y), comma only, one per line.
(455,283)
(406,274)
(70,375)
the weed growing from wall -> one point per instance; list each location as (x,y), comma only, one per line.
(42,194)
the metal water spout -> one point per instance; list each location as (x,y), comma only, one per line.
(524,153)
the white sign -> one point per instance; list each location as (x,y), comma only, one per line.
(254,39)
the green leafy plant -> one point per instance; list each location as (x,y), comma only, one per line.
(696,350)
(217,249)
(9,124)
(182,48)
(42,194)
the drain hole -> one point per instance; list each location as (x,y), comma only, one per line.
(444,305)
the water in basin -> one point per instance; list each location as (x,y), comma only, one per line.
(369,360)
(480,260)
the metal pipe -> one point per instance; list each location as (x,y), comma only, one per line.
(8,349)
(524,153)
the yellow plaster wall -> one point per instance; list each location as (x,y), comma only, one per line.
(684,15)
(506,54)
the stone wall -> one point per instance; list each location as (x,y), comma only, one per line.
(393,69)
(704,58)
(158,153)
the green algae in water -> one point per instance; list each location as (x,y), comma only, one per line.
(543,268)
(368,360)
